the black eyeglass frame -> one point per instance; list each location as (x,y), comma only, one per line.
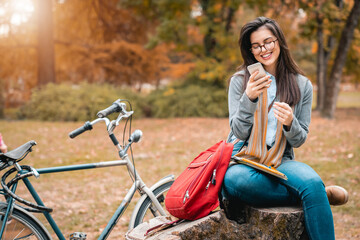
(263,46)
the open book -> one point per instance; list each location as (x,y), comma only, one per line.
(259,166)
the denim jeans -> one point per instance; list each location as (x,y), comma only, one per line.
(247,185)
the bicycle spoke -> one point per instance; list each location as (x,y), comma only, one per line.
(19,234)
(15,230)
(26,237)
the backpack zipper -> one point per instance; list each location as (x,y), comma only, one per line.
(193,181)
(212,179)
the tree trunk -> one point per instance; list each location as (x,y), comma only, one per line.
(321,69)
(333,84)
(323,57)
(46,56)
(209,41)
(229,18)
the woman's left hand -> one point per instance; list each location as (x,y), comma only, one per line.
(283,113)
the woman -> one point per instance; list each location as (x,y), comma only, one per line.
(289,97)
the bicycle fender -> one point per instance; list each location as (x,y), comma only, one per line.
(162,181)
(4,205)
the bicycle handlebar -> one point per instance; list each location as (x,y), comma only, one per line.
(87,126)
(117,106)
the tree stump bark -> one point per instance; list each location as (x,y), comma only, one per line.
(259,223)
(276,223)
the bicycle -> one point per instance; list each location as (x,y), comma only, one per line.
(17,222)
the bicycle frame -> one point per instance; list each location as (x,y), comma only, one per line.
(137,185)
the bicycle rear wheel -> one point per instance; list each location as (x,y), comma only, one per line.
(22,226)
(147,210)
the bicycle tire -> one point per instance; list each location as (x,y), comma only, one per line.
(21,226)
(145,212)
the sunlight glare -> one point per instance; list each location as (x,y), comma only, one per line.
(16,12)
(22,10)
(4,29)
(2,12)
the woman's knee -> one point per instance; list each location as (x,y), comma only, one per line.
(314,184)
(301,174)
(312,189)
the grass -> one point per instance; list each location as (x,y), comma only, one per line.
(333,150)
(85,200)
(346,99)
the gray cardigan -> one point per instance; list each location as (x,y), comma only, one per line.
(242,109)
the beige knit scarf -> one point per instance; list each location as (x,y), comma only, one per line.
(257,149)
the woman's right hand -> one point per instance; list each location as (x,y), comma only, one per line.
(255,87)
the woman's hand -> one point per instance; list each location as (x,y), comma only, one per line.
(283,113)
(255,87)
(3,148)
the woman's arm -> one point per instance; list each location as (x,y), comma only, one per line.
(299,129)
(241,109)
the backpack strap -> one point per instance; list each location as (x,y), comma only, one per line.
(162,226)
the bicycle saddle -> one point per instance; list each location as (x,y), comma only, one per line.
(17,153)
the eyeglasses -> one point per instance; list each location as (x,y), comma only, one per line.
(257,48)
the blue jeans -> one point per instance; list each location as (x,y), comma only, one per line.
(245,184)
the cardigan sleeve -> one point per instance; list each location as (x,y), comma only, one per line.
(241,109)
(297,134)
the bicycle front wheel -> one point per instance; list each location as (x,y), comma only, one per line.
(21,226)
(147,210)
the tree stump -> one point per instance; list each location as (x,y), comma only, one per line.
(258,223)
(276,223)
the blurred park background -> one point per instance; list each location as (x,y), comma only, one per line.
(62,61)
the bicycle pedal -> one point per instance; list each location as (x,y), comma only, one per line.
(78,236)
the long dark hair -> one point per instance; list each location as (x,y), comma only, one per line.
(286,68)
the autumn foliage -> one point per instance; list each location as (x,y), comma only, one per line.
(147,45)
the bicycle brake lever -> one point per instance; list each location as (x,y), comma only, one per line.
(122,115)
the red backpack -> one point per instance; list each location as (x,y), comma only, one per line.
(194,194)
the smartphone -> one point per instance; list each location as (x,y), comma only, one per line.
(257,66)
